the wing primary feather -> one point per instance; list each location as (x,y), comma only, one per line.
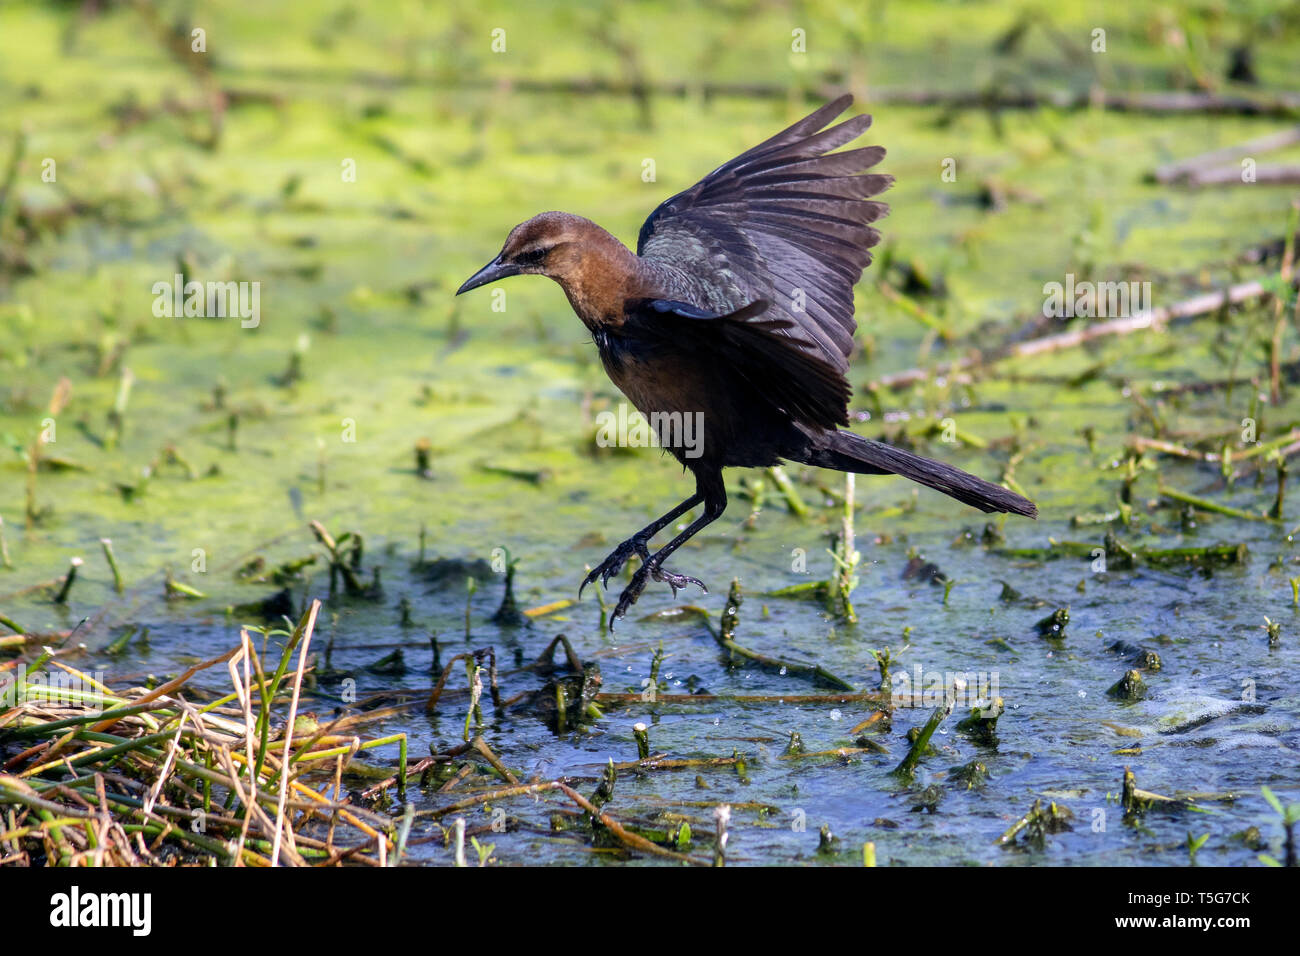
(786,216)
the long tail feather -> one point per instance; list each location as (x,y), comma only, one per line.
(845,451)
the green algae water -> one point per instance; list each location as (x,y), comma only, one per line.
(361,163)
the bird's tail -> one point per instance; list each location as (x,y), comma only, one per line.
(845,451)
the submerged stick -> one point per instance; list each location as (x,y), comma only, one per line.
(631,840)
(490,797)
(730,620)
(1155,319)
(107,545)
(1206,505)
(783,484)
(846,556)
(62,596)
(1194,168)
(1176,102)
(855,697)
(1038,823)
(922,741)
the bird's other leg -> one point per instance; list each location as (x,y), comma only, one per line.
(709,487)
(638,544)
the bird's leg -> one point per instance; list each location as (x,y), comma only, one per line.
(715,503)
(638,544)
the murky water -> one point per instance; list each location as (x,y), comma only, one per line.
(364,271)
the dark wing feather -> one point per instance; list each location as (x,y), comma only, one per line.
(785,222)
(752,343)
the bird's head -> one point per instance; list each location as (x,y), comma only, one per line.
(548,244)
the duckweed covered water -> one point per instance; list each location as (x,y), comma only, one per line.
(234,438)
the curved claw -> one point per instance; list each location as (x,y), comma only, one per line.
(589,579)
(614,563)
(678,582)
(637,585)
(630,594)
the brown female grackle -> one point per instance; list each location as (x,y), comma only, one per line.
(737,310)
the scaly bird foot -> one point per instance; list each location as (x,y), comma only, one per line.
(677,581)
(643,575)
(614,563)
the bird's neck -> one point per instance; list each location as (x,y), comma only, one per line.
(599,275)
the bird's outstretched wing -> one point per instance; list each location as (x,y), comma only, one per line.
(788,222)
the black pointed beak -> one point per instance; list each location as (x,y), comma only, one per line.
(496,269)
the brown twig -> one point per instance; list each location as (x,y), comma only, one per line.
(631,840)
(1154,319)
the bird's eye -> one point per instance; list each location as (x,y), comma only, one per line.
(531,257)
